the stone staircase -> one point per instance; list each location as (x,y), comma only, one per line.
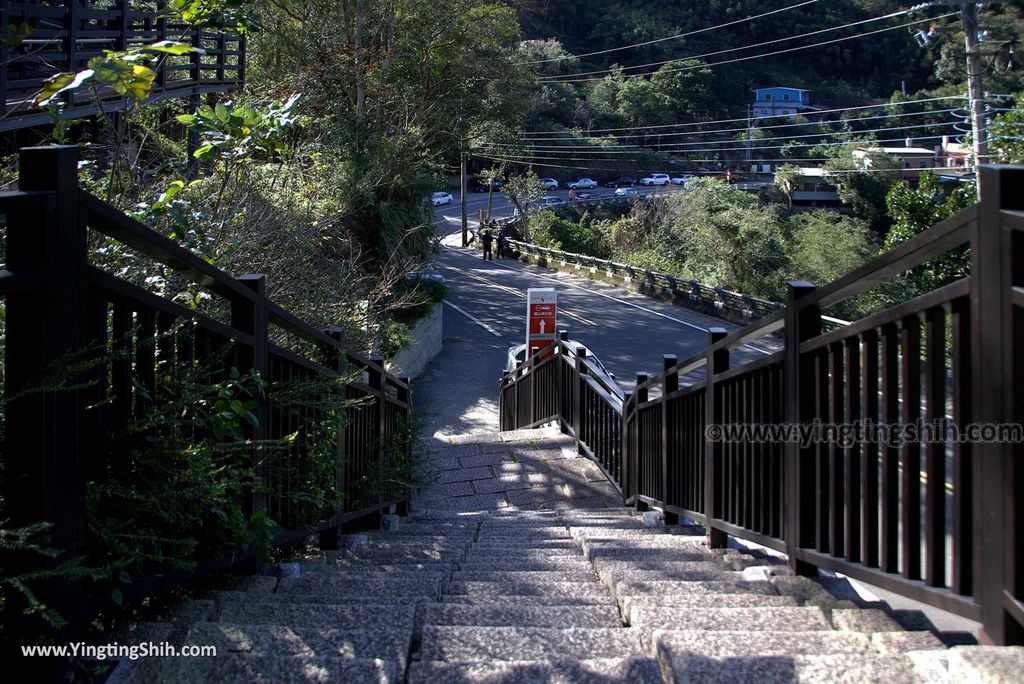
(556,594)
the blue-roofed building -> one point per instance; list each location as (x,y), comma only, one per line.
(780,101)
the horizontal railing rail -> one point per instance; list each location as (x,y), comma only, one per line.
(65,36)
(856,448)
(128,346)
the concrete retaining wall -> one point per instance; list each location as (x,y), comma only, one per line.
(427,339)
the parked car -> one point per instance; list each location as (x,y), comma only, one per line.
(549,200)
(480,185)
(585,195)
(549,183)
(627,192)
(684,179)
(439,198)
(656,179)
(582,184)
(517,354)
(623,182)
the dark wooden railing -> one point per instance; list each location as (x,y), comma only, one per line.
(929,516)
(66,35)
(57,304)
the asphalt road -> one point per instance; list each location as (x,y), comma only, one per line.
(628,332)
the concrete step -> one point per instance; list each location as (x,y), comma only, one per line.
(487,644)
(553,590)
(706,600)
(672,642)
(539,543)
(563,575)
(327,585)
(384,642)
(813,669)
(634,670)
(551,564)
(525,554)
(316,614)
(746,619)
(676,588)
(636,531)
(386,569)
(509,614)
(689,571)
(396,556)
(242,668)
(530,600)
(986,664)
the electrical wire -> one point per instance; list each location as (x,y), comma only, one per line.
(675,37)
(735,120)
(892,15)
(766,54)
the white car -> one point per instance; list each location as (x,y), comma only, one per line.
(548,200)
(684,179)
(549,183)
(627,192)
(439,198)
(582,184)
(656,179)
(517,354)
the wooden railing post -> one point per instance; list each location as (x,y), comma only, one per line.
(578,408)
(669,384)
(563,337)
(802,323)
(335,360)
(46,461)
(641,397)
(717,362)
(251,318)
(531,352)
(404,395)
(997,555)
(376,383)
(627,458)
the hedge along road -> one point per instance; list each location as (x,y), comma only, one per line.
(627,331)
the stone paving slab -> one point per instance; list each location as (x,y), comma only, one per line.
(612,574)
(864,620)
(706,600)
(827,669)
(670,587)
(552,564)
(554,590)
(510,643)
(590,671)
(316,614)
(482,599)
(563,575)
(803,588)
(325,585)
(891,643)
(672,642)
(746,619)
(241,668)
(463,474)
(388,643)
(514,615)
(988,664)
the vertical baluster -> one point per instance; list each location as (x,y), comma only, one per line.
(935,450)
(669,446)
(851,454)
(910,452)
(890,457)
(869,450)
(963,467)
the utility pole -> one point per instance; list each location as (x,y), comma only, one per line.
(462,199)
(750,124)
(975,94)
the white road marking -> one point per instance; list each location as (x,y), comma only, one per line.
(474,319)
(620,301)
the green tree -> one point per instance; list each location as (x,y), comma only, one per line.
(788,178)
(863,182)
(914,210)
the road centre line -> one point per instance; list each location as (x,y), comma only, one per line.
(616,299)
(513,291)
(474,319)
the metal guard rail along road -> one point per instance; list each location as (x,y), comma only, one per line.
(936,520)
(65,36)
(57,303)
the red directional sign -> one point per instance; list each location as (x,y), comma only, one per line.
(541,319)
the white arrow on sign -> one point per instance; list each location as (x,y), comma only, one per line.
(543,325)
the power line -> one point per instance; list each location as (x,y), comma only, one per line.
(883,17)
(675,37)
(767,54)
(745,128)
(744,118)
(673,145)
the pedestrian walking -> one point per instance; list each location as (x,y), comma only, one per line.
(572,194)
(502,243)
(487,239)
